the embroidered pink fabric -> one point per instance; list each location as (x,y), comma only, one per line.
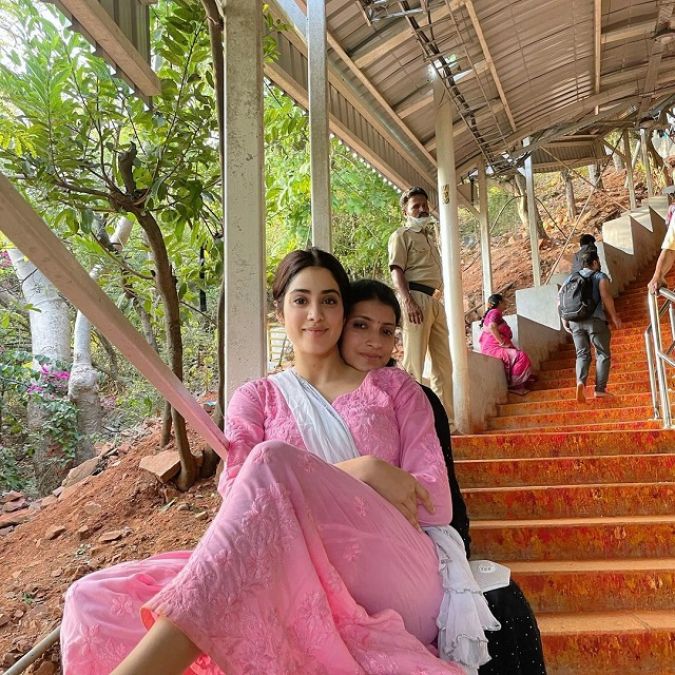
(304,569)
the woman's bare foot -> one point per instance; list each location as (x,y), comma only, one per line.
(520,391)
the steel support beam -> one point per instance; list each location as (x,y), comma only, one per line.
(484,220)
(628,161)
(451,256)
(468,4)
(93,18)
(319,142)
(532,218)
(597,43)
(244,227)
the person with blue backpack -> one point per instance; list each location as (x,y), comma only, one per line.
(587,309)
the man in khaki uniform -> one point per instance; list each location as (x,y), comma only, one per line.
(415,264)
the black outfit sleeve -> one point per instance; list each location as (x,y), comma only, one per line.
(460,519)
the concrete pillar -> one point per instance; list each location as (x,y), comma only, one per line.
(532,218)
(451,256)
(484,220)
(244,226)
(645,161)
(319,142)
(629,169)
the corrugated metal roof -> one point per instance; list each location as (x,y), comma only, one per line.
(514,69)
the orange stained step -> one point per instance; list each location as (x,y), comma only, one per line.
(604,585)
(578,499)
(609,643)
(522,472)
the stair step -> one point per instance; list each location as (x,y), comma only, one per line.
(607,469)
(639,380)
(604,585)
(550,445)
(574,538)
(618,368)
(567,501)
(608,643)
(541,420)
(630,425)
(524,406)
(569,392)
(569,359)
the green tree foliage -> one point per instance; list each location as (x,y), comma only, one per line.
(364,207)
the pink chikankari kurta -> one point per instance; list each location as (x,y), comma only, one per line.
(304,569)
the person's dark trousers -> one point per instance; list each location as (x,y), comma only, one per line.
(592,332)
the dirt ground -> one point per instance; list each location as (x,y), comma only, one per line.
(123,503)
(124,513)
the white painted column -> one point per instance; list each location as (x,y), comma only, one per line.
(532,218)
(484,220)
(244,203)
(628,161)
(645,161)
(451,256)
(319,141)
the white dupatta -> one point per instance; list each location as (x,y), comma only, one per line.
(464,613)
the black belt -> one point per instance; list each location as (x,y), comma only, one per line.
(414,286)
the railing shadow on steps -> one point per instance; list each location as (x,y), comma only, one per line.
(657,358)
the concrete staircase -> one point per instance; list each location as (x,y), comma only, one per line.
(579,501)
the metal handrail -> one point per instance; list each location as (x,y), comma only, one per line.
(656,357)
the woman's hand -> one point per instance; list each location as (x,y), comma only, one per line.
(398,487)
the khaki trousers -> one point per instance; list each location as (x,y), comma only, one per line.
(431,335)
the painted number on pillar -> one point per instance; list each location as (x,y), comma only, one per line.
(446,194)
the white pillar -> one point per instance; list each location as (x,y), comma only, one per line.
(532,218)
(244,203)
(485,256)
(319,142)
(628,161)
(645,161)
(451,256)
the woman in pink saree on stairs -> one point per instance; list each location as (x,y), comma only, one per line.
(331,551)
(496,339)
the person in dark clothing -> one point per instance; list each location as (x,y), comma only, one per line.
(516,649)
(586,245)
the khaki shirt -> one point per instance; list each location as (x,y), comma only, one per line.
(417,254)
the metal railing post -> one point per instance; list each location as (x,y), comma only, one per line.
(652,301)
(652,375)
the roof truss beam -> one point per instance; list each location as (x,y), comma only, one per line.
(636,30)
(468,4)
(384,42)
(103,30)
(662,21)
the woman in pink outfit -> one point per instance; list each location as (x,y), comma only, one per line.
(496,339)
(315,562)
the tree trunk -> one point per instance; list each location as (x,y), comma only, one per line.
(595,176)
(167,288)
(83,383)
(519,189)
(569,196)
(167,423)
(50,336)
(618,162)
(657,160)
